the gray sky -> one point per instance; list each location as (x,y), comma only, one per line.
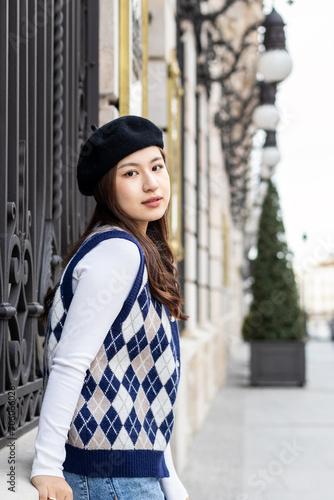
(305,174)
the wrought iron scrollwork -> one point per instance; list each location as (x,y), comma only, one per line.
(228,57)
(20,352)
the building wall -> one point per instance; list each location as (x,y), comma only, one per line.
(318,290)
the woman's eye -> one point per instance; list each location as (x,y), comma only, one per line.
(131,173)
(156,168)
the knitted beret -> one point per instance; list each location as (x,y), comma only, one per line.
(111,143)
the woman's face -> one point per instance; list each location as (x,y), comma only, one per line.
(142,186)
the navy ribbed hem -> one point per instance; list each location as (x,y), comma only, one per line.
(115,463)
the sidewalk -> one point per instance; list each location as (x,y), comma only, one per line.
(267,443)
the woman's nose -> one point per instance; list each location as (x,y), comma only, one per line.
(150,182)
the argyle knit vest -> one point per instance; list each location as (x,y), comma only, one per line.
(124,416)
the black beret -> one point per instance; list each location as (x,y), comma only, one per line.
(111,143)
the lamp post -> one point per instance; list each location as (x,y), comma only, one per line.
(274,66)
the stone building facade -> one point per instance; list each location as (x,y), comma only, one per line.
(319,289)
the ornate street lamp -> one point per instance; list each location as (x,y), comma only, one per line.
(273,67)
(275,63)
(266,116)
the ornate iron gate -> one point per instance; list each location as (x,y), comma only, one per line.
(48,99)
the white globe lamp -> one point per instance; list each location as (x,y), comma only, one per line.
(266,117)
(275,63)
(270,154)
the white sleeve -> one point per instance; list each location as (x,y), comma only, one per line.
(101,282)
(172,486)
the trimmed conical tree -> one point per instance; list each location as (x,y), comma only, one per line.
(274,313)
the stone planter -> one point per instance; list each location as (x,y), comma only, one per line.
(280,363)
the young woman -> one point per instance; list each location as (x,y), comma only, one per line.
(112,358)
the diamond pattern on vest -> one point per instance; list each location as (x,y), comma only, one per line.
(127,399)
(57,310)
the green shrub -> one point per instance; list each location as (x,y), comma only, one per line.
(274,313)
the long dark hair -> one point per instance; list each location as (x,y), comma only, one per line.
(160,260)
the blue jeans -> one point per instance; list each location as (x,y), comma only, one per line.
(117,488)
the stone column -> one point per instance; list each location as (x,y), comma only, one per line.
(109,60)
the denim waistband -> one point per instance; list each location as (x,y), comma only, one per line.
(117,488)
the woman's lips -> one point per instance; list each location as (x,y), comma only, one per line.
(152,202)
